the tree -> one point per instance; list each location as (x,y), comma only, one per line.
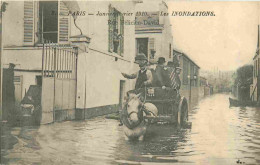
(243,80)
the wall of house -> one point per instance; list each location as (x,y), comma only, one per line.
(99,71)
(253,89)
(185,88)
(100,75)
(167,33)
(27,79)
(13,24)
(28,63)
(96,27)
(162,39)
(23,58)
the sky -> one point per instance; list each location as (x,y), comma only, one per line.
(226,41)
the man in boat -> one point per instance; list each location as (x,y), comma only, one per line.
(143,76)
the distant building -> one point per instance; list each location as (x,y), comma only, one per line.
(153,32)
(205,87)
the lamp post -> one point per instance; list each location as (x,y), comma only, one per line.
(194,78)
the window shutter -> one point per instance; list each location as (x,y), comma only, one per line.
(110,29)
(28,22)
(122,34)
(63,23)
(151,43)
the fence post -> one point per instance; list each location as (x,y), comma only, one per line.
(54,76)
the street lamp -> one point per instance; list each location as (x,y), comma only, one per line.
(194,78)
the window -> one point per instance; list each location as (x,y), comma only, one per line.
(142,46)
(185,71)
(152,51)
(39,80)
(50,24)
(116,31)
(192,74)
(197,78)
(48,21)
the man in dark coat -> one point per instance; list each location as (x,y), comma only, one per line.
(8,93)
(161,74)
(143,76)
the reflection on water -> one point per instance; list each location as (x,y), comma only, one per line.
(219,135)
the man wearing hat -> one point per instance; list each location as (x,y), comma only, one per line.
(173,73)
(161,73)
(143,76)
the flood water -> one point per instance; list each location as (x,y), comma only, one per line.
(219,135)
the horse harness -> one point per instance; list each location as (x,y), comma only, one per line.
(126,116)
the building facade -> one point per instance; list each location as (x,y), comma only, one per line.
(190,78)
(255,87)
(153,31)
(74,51)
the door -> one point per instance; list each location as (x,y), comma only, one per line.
(121,93)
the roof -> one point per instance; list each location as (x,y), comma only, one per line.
(256,53)
(186,56)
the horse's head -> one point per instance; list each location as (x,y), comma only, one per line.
(133,108)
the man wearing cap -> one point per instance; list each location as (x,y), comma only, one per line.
(161,73)
(144,76)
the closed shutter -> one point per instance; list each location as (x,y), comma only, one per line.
(122,34)
(63,23)
(110,29)
(151,43)
(28,22)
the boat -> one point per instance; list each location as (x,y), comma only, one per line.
(240,103)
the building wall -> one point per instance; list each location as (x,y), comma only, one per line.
(99,74)
(28,63)
(99,71)
(27,79)
(163,38)
(96,27)
(13,24)
(185,88)
(27,58)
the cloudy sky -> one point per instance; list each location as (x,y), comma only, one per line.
(227,41)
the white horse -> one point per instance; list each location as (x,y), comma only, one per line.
(134,124)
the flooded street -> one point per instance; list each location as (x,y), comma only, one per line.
(219,135)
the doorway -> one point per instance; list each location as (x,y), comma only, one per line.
(121,93)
